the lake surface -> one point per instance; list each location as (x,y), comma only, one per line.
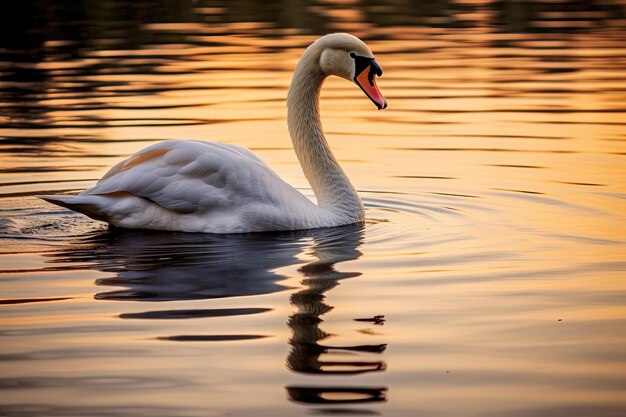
(488,280)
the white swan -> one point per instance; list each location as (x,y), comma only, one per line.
(194,186)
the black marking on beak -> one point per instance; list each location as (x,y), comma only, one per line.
(361,63)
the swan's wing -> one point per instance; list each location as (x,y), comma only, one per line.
(197,177)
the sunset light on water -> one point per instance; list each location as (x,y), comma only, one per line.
(488,278)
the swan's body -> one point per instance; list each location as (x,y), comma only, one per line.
(194,186)
(198,186)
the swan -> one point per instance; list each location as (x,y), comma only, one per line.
(208,187)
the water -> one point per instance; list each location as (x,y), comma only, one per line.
(488,279)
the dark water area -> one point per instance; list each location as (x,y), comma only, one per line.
(488,279)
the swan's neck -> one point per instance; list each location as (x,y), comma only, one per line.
(330,184)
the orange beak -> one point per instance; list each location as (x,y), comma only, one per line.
(367,83)
(366,69)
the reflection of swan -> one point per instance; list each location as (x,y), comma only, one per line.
(170,266)
(322,277)
(221,188)
(306,351)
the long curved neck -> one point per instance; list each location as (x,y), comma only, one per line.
(330,184)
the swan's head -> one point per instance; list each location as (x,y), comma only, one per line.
(348,57)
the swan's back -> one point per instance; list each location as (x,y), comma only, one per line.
(196,186)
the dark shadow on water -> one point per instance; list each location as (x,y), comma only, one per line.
(307,336)
(308,350)
(163,266)
(337,395)
(211,338)
(193,314)
(168,266)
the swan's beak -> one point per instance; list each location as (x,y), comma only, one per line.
(366,79)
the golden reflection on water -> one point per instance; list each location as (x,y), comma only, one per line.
(494,248)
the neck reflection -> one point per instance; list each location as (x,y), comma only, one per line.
(310,349)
